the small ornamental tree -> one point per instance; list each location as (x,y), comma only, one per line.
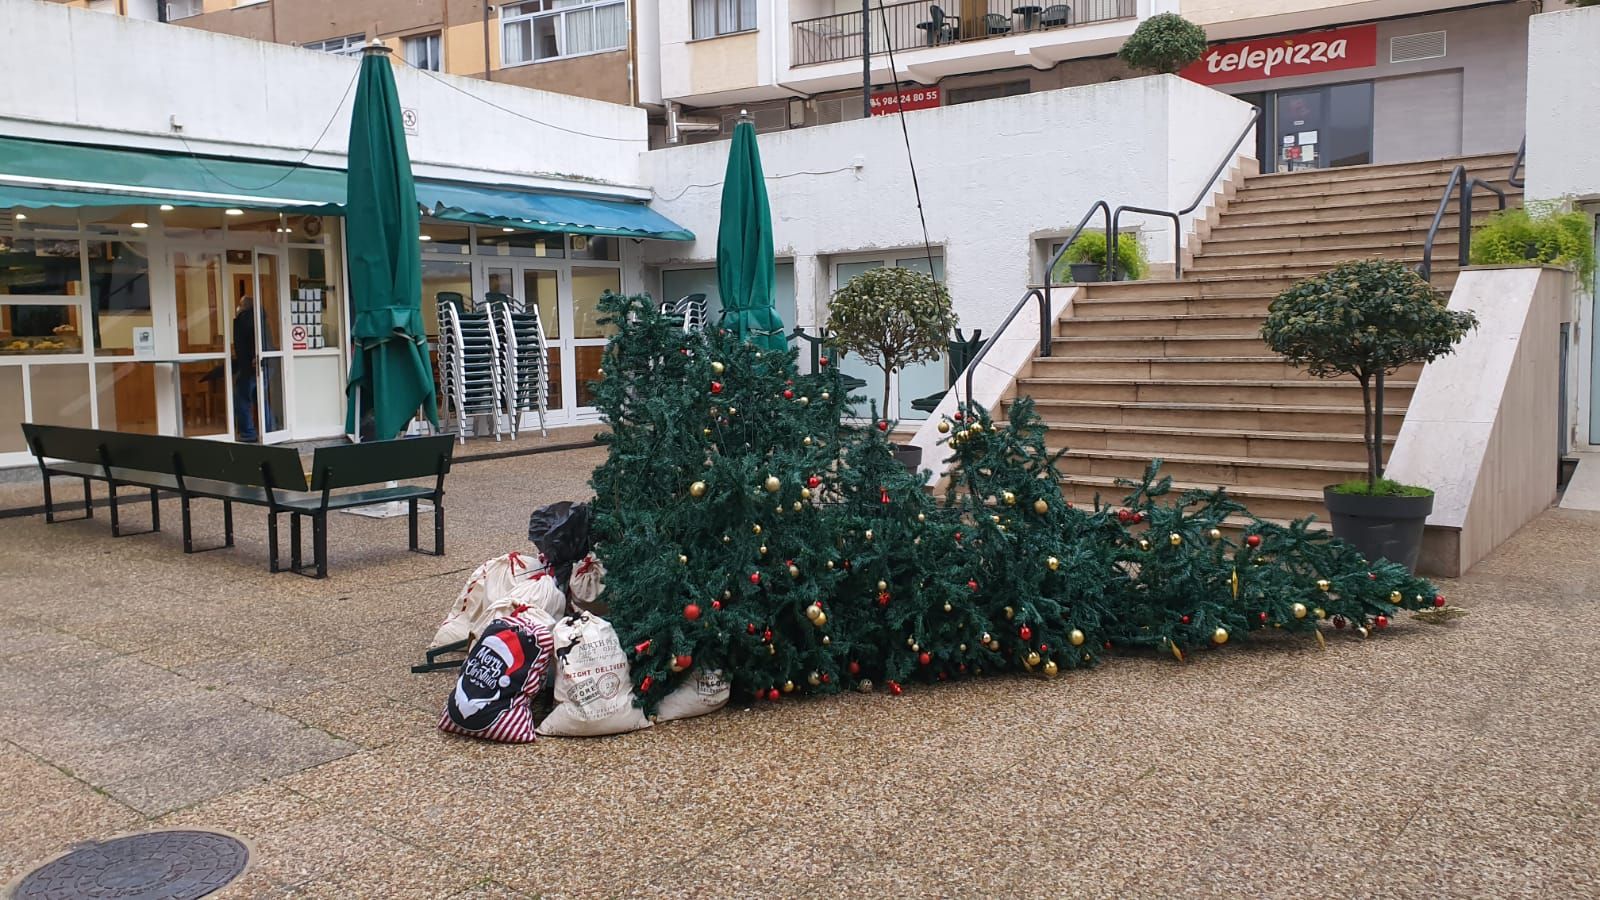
(1368,319)
(891,317)
(1164,44)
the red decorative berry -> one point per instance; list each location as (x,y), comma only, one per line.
(1184,620)
(883,426)
(925,658)
(972,585)
(644,686)
(822,361)
(1381,621)
(1253,541)
(716,387)
(894,688)
(1044,648)
(691,612)
(683,661)
(1025,633)
(813,481)
(750,628)
(641,648)
(855,668)
(755,577)
(1438,599)
(788,394)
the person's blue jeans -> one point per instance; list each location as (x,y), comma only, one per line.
(244,406)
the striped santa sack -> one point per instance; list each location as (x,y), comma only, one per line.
(503,673)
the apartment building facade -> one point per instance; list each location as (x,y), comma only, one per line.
(1339,83)
(587,48)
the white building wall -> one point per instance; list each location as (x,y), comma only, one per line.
(89,75)
(1563,123)
(995,177)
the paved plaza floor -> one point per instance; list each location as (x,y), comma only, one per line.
(144,689)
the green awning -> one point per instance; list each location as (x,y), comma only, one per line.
(510,207)
(35,174)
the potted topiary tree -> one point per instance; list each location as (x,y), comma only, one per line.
(1368,319)
(1164,44)
(892,317)
(1086,258)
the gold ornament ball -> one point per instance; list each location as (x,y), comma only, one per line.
(805,493)
(1053,563)
(995,519)
(726,539)
(1009,613)
(975,428)
(1299,610)
(727,595)
(705,432)
(994,427)
(794,572)
(1033,658)
(1219,637)
(828,565)
(813,611)
(805,401)
(1009,498)
(771,650)
(733,411)
(922,517)
(807,441)
(798,506)
(1319,613)
(1076,637)
(1324,584)
(772,484)
(868,535)
(883,585)
(1395,597)
(944,427)
(826,396)
(948,607)
(962,648)
(717,368)
(1144,544)
(1363,630)
(825,639)
(788,687)
(822,619)
(813,679)
(682,560)
(1050,668)
(1175,539)
(984,640)
(762,550)
(1215,534)
(698,489)
(911,642)
(755,529)
(1040,507)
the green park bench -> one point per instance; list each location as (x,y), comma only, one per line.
(251,474)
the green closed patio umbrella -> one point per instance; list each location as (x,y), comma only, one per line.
(390,366)
(744,247)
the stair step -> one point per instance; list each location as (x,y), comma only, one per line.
(1160,345)
(1236,307)
(1297,474)
(1378,210)
(1253,416)
(1343,392)
(1476,164)
(1255,367)
(1238,442)
(1412,199)
(1074,326)
(1290,273)
(1281,237)
(1247,281)
(1373,182)
(1264,502)
(1307,229)
(1210,260)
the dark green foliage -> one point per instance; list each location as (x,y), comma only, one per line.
(1516,236)
(1164,44)
(1091,248)
(889,585)
(891,317)
(1367,319)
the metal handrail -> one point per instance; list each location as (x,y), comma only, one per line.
(1515,179)
(1114,232)
(1043,296)
(1464,187)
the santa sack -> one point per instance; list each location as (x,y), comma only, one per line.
(594,694)
(702,692)
(502,674)
(494,590)
(588,580)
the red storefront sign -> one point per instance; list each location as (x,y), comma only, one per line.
(1282,57)
(886,102)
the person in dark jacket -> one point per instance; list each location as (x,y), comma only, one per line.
(245,359)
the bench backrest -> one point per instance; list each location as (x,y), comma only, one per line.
(217,460)
(372,462)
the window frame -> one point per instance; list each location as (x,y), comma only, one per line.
(350,45)
(716,27)
(560,14)
(435,44)
(197,6)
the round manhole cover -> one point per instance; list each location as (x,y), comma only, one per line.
(157,865)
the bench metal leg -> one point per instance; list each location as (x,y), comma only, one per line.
(188,530)
(413,505)
(318,567)
(155,510)
(434,664)
(227,523)
(88,501)
(272,542)
(116,519)
(438,526)
(50,516)
(320,534)
(294,542)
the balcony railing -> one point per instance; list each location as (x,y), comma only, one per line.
(913,25)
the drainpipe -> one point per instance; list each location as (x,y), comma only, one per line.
(488,69)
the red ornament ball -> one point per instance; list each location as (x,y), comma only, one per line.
(1338,621)
(855,668)
(1263,617)
(683,661)
(1438,599)
(755,577)
(788,394)
(883,598)
(766,634)
(644,686)
(826,678)
(972,585)
(822,360)
(750,628)
(773,695)
(1108,645)
(894,688)
(1184,620)
(1381,621)
(943,676)
(1372,576)
(691,612)
(716,387)
(925,658)
(883,426)
(957,417)
(716,604)
(1253,541)
(1025,633)
(641,648)
(813,481)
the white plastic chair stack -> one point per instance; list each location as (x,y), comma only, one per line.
(525,378)
(693,310)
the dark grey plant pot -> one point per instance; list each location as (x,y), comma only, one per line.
(909,455)
(1085,272)
(1380,527)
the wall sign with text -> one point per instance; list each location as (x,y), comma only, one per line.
(886,102)
(1283,57)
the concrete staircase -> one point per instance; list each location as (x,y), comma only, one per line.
(1177,369)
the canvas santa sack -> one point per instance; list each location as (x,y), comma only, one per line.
(702,692)
(587,582)
(502,674)
(494,589)
(594,693)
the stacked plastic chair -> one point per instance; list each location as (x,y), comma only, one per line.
(525,377)
(692,308)
(469,361)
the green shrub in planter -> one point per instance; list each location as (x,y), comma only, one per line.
(891,317)
(1164,44)
(1091,248)
(1546,234)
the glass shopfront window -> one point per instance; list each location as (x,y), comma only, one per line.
(442,276)
(39,328)
(514,242)
(39,265)
(119,286)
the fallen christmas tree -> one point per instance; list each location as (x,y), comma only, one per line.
(746,529)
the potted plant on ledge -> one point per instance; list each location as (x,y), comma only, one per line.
(891,318)
(1368,319)
(1086,258)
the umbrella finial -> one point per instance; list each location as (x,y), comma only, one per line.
(376,46)
(744,115)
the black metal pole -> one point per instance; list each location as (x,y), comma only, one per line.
(866,59)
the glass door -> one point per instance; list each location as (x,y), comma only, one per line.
(270,410)
(1323,127)
(584,349)
(538,287)
(202,321)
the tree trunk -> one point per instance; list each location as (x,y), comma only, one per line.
(1367,430)
(1377,427)
(888,377)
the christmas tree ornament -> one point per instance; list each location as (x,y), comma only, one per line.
(828,564)
(925,658)
(1381,622)
(883,426)
(1396,597)
(1183,619)
(957,416)
(994,427)
(921,517)
(681,662)
(813,482)
(646,684)
(1438,600)
(805,401)
(750,628)
(1175,539)
(1215,534)
(772,484)
(788,394)
(805,493)
(1032,658)
(698,489)
(1052,563)
(1025,633)
(755,577)
(704,432)
(883,585)
(772,650)
(798,506)
(1177,652)
(826,396)
(1219,637)
(1299,610)
(1234,578)
(1076,637)
(1362,630)
(813,612)
(1050,668)
(864,685)
(911,642)
(855,668)
(962,648)
(732,411)
(1040,507)
(726,539)
(894,689)
(813,679)
(947,606)
(868,534)
(1009,498)
(1010,613)
(825,641)
(1338,621)
(716,368)
(1319,613)
(975,428)
(1262,617)
(1324,585)
(984,639)
(788,687)
(716,387)
(755,529)
(716,604)
(944,427)
(1253,541)
(642,648)
(691,612)
(794,572)
(773,695)
(807,442)
(683,560)
(1144,544)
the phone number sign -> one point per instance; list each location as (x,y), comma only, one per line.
(889,102)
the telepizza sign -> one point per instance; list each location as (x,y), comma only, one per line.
(1283,57)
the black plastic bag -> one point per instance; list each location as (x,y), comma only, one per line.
(561,532)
